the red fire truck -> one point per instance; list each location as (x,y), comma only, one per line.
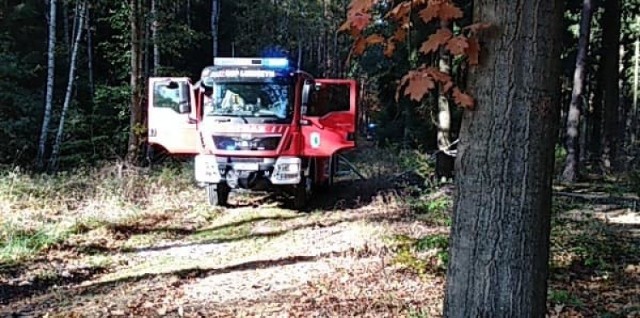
(255,124)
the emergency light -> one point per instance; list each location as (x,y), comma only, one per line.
(245,61)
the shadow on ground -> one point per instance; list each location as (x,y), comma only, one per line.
(13,291)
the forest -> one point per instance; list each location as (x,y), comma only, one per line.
(502,177)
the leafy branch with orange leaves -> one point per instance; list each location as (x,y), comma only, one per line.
(421,80)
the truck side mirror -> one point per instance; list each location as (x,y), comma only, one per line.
(306,93)
(185,99)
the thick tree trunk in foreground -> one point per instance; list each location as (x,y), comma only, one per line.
(570,172)
(48,104)
(500,235)
(135,121)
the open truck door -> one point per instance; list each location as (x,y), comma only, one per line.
(329,113)
(172,115)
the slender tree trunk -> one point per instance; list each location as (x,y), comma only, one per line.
(154,37)
(444,162)
(500,233)
(53,161)
(188,13)
(611,25)
(595,139)
(92,85)
(215,14)
(634,112)
(135,121)
(51,63)
(571,172)
(65,25)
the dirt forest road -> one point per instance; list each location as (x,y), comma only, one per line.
(255,259)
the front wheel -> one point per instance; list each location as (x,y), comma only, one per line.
(302,193)
(218,195)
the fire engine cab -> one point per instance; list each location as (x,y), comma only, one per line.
(255,124)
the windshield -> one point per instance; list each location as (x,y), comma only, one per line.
(250,99)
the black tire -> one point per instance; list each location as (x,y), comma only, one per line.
(218,195)
(300,195)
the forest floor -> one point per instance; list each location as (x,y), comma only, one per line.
(371,248)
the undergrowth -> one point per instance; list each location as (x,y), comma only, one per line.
(40,211)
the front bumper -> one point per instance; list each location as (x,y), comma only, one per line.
(248,172)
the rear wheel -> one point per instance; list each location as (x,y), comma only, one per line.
(218,195)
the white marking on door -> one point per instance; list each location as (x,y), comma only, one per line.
(315,140)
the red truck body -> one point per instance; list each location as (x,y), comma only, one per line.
(255,124)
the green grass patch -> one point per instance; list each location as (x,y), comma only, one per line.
(17,244)
(563,297)
(436,212)
(429,254)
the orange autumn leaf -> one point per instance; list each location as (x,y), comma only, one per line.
(399,35)
(429,13)
(389,49)
(435,40)
(375,39)
(400,11)
(418,87)
(345,26)
(477,27)
(463,99)
(457,45)
(360,21)
(439,76)
(359,46)
(448,11)
(473,51)
(418,83)
(359,6)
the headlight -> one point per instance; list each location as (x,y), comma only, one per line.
(287,170)
(288,167)
(207,169)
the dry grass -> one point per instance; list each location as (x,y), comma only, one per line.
(38,211)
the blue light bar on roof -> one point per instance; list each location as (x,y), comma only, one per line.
(244,61)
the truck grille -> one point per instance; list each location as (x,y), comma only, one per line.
(237,143)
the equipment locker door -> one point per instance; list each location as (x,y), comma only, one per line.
(329,117)
(171,114)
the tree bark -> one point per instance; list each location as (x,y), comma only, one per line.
(92,85)
(51,64)
(500,234)
(444,162)
(215,14)
(610,73)
(135,121)
(571,167)
(55,154)
(154,37)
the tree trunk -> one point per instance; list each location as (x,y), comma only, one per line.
(444,162)
(610,74)
(571,172)
(500,233)
(51,63)
(53,161)
(188,13)
(92,85)
(65,25)
(154,38)
(634,112)
(215,14)
(133,151)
